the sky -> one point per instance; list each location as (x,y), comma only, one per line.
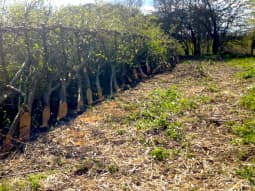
(147,4)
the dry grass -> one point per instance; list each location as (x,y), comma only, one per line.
(100,150)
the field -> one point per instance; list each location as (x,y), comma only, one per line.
(189,129)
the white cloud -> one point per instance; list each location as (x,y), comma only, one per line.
(146,9)
(73,2)
(76,2)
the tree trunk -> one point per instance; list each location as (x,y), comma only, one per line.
(113,81)
(46,100)
(25,125)
(216,44)
(148,68)
(63,107)
(252,46)
(3,61)
(135,74)
(46,109)
(7,144)
(186,48)
(80,102)
(25,117)
(89,93)
(142,74)
(98,85)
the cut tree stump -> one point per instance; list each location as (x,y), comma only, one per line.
(46,116)
(62,110)
(7,144)
(100,95)
(135,74)
(80,104)
(25,126)
(89,96)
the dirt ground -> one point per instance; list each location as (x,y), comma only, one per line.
(99,150)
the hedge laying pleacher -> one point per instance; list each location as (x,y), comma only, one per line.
(51,72)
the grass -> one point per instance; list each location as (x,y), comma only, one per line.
(35,180)
(245,132)
(121,132)
(246,65)
(248,100)
(32,182)
(112,168)
(247,74)
(160,115)
(5,187)
(162,154)
(159,108)
(242,62)
(247,172)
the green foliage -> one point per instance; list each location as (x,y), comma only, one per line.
(121,131)
(112,168)
(35,180)
(160,153)
(249,73)
(158,108)
(174,131)
(245,132)
(114,40)
(247,172)
(212,88)
(205,99)
(246,65)
(242,63)
(248,100)
(4,187)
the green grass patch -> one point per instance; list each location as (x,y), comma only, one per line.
(31,182)
(5,187)
(205,99)
(242,62)
(247,65)
(112,168)
(159,108)
(162,154)
(248,100)
(247,74)
(245,133)
(121,132)
(247,172)
(174,131)
(35,180)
